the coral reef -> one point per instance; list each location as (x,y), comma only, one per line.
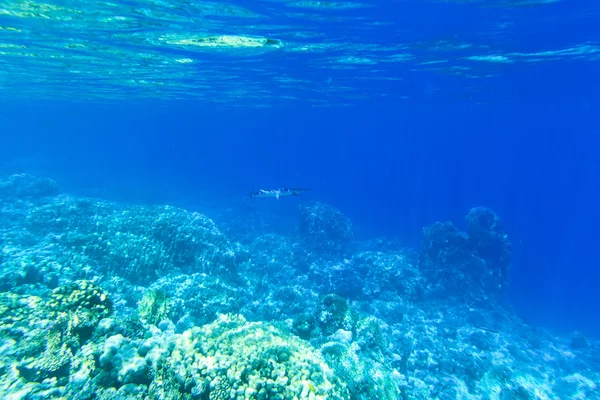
(100,300)
(489,241)
(51,334)
(354,345)
(233,358)
(371,275)
(473,264)
(325,229)
(137,243)
(155,307)
(200,296)
(27,186)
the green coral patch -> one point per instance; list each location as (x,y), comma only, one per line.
(233,358)
(50,333)
(154,306)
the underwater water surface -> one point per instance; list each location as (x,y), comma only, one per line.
(424,218)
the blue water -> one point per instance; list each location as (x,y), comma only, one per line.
(391,169)
(494,104)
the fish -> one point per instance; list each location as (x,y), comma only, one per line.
(277,192)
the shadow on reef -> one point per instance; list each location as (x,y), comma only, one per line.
(102,300)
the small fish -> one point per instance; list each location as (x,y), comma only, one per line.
(277,192)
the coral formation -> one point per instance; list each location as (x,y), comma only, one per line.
(27,186)
(155,306)
(325,229)
(233,358)
(138,243)
(104,301)
(50,332)
(473,264)
(199,296)
(489,241)
(354,345)
(371,275)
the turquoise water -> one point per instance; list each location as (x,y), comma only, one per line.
(442,245)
